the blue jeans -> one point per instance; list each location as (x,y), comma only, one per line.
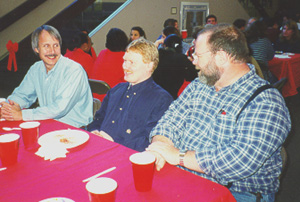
(248,197)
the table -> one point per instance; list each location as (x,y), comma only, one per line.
(289,68)
(33,179)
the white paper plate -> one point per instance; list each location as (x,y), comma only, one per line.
(57,199)
(69,138)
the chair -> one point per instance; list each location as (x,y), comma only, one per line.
(96,106)
(257,67)
(98,86)
(279,84)
(284,157)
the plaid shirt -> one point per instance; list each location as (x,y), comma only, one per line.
(245,153)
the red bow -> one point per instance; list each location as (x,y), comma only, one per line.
(12,49)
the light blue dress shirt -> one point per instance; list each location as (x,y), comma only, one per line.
(63,93)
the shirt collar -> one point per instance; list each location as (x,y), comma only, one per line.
(140,86)
(55,66)
(236,84)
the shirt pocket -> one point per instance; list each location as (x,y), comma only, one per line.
(223,127)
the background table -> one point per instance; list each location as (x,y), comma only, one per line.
(289,68)
(33,179)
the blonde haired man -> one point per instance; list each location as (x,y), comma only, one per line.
(130,110)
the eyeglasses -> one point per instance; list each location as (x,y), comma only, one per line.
(196,56)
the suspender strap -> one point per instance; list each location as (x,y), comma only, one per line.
(258,91)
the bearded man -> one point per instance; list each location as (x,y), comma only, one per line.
(210,133)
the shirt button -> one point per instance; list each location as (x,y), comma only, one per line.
(113,121)
(127,96)
(121,109)
(216,94)
(134,93)
(128,131)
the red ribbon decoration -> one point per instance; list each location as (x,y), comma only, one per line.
(12,49)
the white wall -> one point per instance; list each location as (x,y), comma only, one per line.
(151,14)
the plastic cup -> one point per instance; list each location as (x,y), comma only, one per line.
(9,148)
(30,134)
(102,189)
(184,34)
(143,170)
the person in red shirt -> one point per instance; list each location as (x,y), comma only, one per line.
(108,65)
(78,51)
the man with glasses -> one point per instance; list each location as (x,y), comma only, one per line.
(208,132)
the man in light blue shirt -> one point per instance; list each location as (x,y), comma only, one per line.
(60,85)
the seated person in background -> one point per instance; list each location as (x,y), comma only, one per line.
(166,32)
(78,51)
(173,67)
(108,65)
(251,20)
(136,32)
(60,85)
(202,132)
(272,29)
(169,22)
(289,39)
(260,47)
(240,24)
(92,51)
(130,110)
(211,19)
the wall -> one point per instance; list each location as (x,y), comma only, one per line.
(7,6)
(30,22)
(150,15)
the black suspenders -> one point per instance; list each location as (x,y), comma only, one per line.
(258,91)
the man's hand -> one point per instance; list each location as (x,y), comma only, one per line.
(103,134)
(158,42)
(11,111)
(168,152)
(159,162)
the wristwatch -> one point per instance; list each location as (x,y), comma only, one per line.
(181,157)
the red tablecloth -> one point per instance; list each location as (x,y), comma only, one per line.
(289,68)
(33,179)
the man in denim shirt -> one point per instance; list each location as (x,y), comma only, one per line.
(130,110)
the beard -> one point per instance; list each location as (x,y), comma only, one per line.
(211,74)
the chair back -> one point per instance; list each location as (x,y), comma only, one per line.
(279,84)
(96,106)
(284,157)
(98,86)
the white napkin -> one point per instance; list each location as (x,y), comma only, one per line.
(282,56)
(52,151)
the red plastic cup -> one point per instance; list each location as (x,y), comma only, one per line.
(9,148)
(102,189)
(143,170)
(184,34)
(30,134)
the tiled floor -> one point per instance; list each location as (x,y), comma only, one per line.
(290,181)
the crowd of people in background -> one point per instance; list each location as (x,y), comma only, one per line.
(198,130)
(265,37)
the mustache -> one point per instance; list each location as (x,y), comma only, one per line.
(52,55)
